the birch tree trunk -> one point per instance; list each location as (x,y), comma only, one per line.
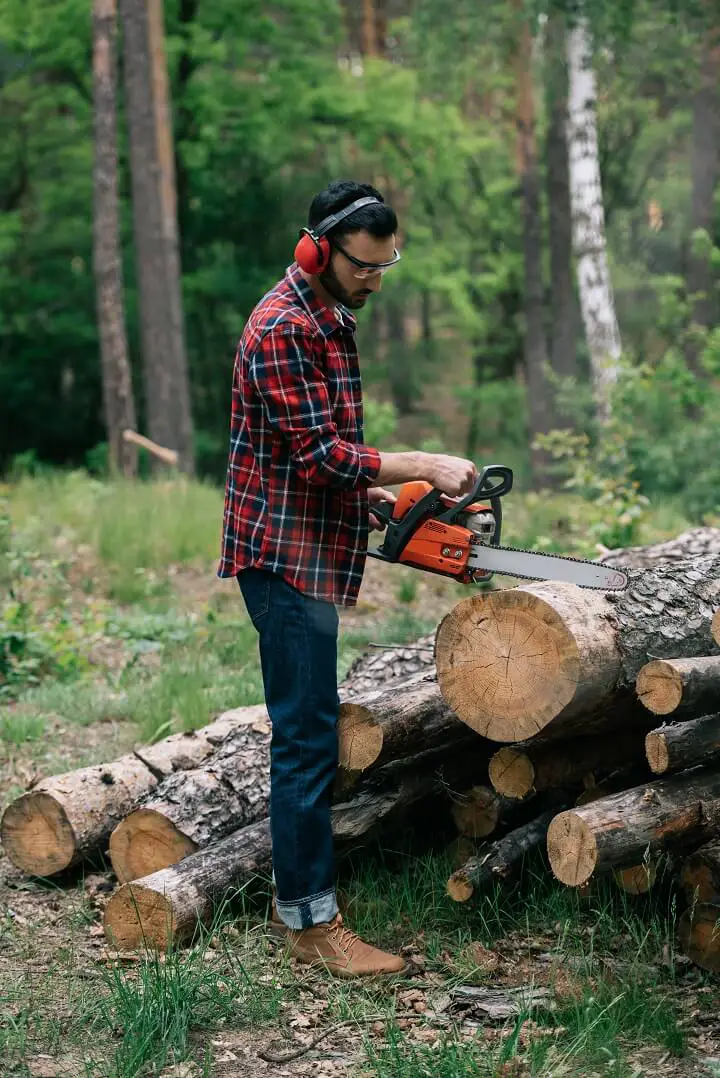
(118,400)
(596,298)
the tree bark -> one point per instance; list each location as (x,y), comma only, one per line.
(700,875)
(70,816)
(518,771)
(618,830)
(118,399)
(682,745)
(589,243)
(705,167)
(679,686)
(699,935)
(386,666)
(695,543)
(560,659)
(167,388)
(499,862)
(563,305)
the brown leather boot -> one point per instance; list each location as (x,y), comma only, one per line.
(340,951)
(276,926)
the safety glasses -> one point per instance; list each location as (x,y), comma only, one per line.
(368,269)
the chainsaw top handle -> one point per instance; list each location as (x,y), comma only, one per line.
(493,482)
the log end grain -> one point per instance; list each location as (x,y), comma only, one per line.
(476,811)
(715,627)
(507,663)
(636,879)
(700,875)
(699,935)
(459,887)
(37,835)
(360,738)
(656,751)
(145,842)
(138,916)
(572,849)
(659,687)
(511,773)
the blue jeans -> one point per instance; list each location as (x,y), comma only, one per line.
(298,654)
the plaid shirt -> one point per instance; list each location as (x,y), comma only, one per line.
(296,499)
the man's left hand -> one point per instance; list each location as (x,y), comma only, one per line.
(375,495)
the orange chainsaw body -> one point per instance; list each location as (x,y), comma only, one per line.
(438,547)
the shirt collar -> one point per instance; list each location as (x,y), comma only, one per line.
(329,320)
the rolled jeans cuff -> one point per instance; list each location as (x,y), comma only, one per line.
(316,910)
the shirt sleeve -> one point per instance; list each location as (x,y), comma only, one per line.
(294,393)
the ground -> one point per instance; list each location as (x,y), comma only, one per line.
(121,635)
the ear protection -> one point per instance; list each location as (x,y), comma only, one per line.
(312,252)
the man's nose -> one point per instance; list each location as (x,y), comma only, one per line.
(374,283)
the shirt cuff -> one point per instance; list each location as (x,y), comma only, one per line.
(369,465)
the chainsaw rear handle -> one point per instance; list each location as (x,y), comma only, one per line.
(493,482)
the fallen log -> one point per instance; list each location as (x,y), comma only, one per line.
(67,817)
(385,665)
(478,811)
(520,770)
(685,686)
(618,830)
(501,860)
(683,744)
(563,660)
(694,543)
(700,874)
(637,879)
(699,935)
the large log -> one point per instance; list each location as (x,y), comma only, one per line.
(385,665)
(499,861)
(518,770)
(67,817)
(699,935)
(685,686)
(618,830)
(700,874)
(683,744)
(695,543)
(563,660)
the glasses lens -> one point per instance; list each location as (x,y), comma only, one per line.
(361,272)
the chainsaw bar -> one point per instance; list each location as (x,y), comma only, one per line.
(530,565)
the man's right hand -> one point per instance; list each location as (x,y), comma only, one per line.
(451,475)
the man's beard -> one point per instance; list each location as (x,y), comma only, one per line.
(329,280)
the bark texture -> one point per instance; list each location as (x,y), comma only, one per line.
(679,686)
(695,543)
(682,745)
(118,399)
(617,831)
(384,666)
(500,861)
(699,935)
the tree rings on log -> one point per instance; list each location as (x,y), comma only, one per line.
(360,738)
(144,841)
(511,772)
(665,685)
(476,811)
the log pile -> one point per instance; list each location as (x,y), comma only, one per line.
(580,725)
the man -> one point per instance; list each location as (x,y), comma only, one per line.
(300,486)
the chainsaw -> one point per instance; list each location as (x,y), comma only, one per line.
(460,538)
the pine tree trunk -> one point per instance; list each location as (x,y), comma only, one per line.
(167,387)
(596,298)
(118,399)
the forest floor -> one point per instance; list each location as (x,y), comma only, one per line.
(121,634)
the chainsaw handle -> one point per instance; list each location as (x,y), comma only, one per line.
(502,485)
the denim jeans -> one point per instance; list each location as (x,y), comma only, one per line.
(298,654)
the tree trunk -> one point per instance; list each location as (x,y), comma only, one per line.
(695,543)
(563,306)
(683,686)
(705,167)
(540,391)
(68,817)
(700,875)
(699,935)
(519,771)
(118,399)
(500,861)
(618,830)
(563,660)
(155,227)
(596,298)
(682,745)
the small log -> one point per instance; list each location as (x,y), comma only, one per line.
(700,875)
(68,817)
(637,879)
(563,660)
(516,771)
(668,685)
(699,935)
(715,628)
(618,830)
(683,744)
(500,861)
(477,811)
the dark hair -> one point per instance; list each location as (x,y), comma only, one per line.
(379,221)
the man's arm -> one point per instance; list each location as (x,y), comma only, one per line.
(452,475)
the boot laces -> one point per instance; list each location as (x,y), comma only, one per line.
(343,936)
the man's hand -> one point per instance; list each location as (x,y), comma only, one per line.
(375,495)
(452,475)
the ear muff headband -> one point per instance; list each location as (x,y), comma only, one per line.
(312,252)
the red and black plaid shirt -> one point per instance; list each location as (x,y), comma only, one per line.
(296,496)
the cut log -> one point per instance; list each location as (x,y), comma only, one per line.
(500,861)
(384,666)
(700,875)
(519,770)
(618,830)
(683,685)
(563,660)
(699,935)
(695,543)
(637,879)
(477,811)
(683,744)
(716,627)
(68,817)
(392,722)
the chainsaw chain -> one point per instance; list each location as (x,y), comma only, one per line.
(556,557)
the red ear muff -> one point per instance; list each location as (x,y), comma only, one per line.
(312,252)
